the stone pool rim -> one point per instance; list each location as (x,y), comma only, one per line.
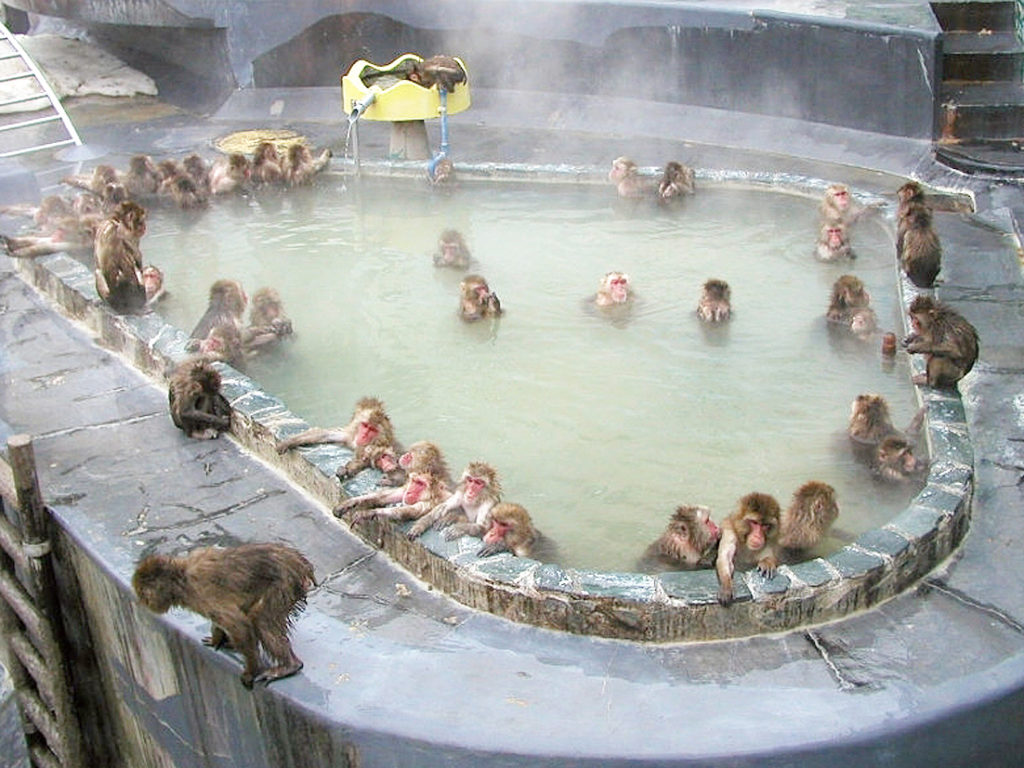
(671,606)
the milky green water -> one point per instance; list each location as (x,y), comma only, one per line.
(600,429)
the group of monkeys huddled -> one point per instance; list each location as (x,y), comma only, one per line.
(107,219)
(261,586)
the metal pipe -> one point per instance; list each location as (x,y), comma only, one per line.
(443,153)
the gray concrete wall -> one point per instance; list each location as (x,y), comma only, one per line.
(829,69)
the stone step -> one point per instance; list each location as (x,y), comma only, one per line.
(975,57)
(997,15)
(982,111)
(994,158)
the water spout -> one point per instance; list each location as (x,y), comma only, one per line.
(358,108)
(442,111)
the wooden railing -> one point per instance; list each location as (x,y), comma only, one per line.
(34,645)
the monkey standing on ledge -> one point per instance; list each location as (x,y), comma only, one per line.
(251,593)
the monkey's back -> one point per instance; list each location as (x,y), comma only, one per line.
(276,575)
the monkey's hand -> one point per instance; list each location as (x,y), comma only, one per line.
(362,514)
(454,532)
(766,566)
(492,548)
(725,594)
(345,506)
(910,342)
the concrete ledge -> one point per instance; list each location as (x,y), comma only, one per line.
(670,606)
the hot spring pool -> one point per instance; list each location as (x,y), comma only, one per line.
(600,429)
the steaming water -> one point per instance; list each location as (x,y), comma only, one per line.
(600,429)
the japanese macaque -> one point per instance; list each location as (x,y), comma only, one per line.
(142,179)
(909,195)
(477,300)
(197,406)
(809,516)
(230,174)
(51,210)
(690,541)
(749,536)
(113,194)
(626,178)
(422,456)
(369,434)
(443,172)
(367,413)
(73,235)
(223,343)
(267,167)
(510,530)
(300,166)
(850,297)
(226,306)
(471,503)
(421,492)
(118,271)
(918,247)
(863,323)
(443,71)
(894,461)
(95,182)
(614,290)
(452,250)
(186,194)
(268,323)
(167,170)
(833,242)
(715,305)
(196,168)
(251,593)
(153,282)
(677,181)
(870,421)
(871,427)
(838,206)
(948,342)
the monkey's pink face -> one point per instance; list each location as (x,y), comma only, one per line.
(713,531)
(414,489)
(841,198)
(450,251)
(387,463)
(618,286)
(758,535)
(211,345)
(496,532)
(366,432)
(482,293)
(474,485)
(405,460)
(835,237)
